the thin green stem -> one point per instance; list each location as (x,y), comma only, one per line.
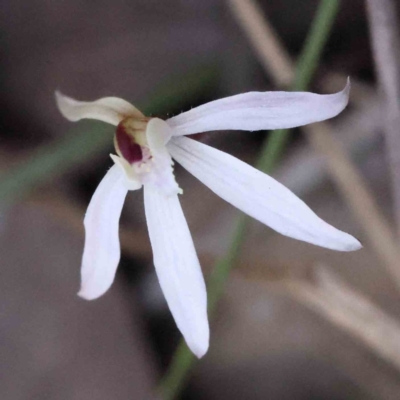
(183,360)
(315,43)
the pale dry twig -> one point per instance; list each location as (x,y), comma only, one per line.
(386,50)
(351,311)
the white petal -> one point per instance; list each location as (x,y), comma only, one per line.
(178,268)
(258,195)
(255,111)
(108,109)
(102,249)
(158,133)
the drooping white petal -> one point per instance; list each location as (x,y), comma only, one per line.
(108,109)
(102,249)
(178,268)
(258,195)
(161,176)
(260,111)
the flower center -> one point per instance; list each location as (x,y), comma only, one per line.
(130,139)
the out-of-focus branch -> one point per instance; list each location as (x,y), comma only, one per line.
(272,55)
(358,132)
(350,311)
(350,183)
(134,242)
(323,291)
(386,49)
(347,178)
(250,17)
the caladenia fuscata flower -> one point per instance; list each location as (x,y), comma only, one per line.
(145,148)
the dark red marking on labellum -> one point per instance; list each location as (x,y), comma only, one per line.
(131,151)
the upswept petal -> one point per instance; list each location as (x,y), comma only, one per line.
(258,195)
(260,110)
(178,268)
(107,109)
(102,249)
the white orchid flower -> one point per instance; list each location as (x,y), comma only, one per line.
(145,148)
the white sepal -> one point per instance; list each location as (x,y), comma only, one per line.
(102,252)
(258,195)
(107,109)
(178,268)
(260,111)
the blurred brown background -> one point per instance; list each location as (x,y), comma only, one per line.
(264,343)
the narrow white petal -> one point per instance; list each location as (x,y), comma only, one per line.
(102,249)
(178,268)
(108,109)
(258,195)
(255,111)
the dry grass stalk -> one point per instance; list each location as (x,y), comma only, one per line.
(386,50)
(351,311)
(134,242)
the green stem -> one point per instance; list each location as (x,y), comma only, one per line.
(183,360)
(315,42)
